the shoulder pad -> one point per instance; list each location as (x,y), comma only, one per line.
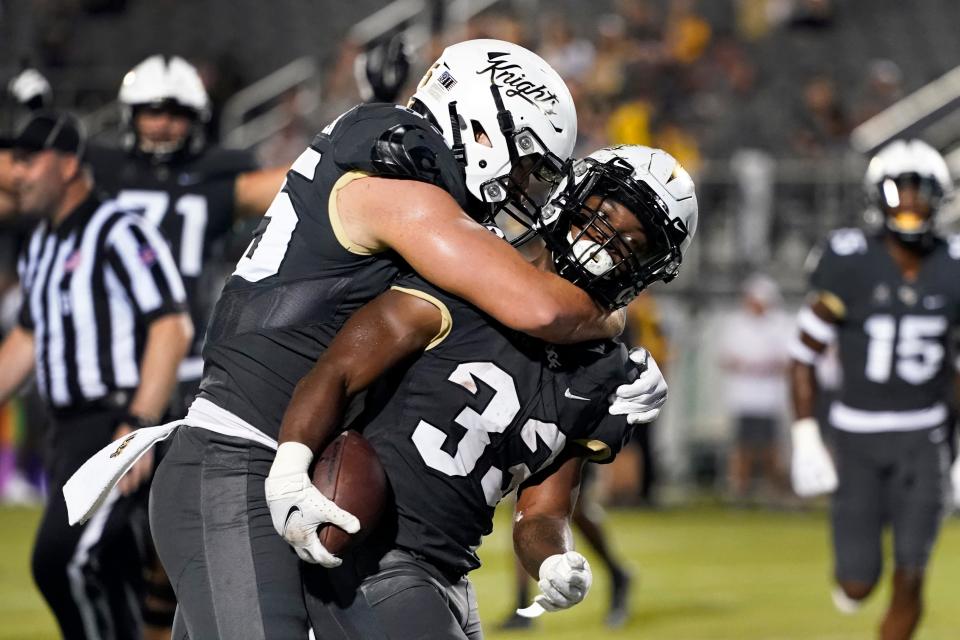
(846,242)
(392,141)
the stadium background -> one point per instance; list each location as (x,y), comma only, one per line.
(771,105)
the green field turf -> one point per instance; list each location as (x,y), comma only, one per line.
(703,574)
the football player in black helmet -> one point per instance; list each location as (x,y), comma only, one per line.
(890,301)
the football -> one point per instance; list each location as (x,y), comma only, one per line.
(349,472)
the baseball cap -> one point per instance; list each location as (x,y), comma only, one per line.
(57,130)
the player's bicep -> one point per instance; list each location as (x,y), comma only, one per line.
(382,333)
(553,492)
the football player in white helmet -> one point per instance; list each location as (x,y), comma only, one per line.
(621,221)
(914,166)
(889,300)
(164,107)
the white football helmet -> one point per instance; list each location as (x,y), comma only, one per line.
(904,164)
(165,82)
(591,252)
(517,100)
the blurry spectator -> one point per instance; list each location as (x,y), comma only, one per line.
(644,329)
(592,125)
(753,357)
(572,57)
(630,123)
(284,146)
(687,33)
(223,77)
(883,88)
(823,124)
(812,14)
(674,138)
(606,78)
(753,172)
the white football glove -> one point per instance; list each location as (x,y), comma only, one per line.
(298,508)
(811,468)
(955,482)
(642,399)
(565,579)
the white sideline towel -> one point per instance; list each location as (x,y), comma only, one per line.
(89,486)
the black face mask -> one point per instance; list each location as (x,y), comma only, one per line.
(597,257)
(909,228)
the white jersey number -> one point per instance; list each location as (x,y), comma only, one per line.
(263,257)
(154,205)
(495,418)
(915,352)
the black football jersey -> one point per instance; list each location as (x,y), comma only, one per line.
(191,201)
(894,335)
(301,277)
(477,414)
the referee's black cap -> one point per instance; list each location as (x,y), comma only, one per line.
(56,130)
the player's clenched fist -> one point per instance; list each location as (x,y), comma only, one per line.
(642,399)
(565,579)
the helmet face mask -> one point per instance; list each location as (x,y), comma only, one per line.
(514,200)
(614,229)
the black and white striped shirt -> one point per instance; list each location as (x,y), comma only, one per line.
(91,287)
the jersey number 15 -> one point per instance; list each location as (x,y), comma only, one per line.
(914,350)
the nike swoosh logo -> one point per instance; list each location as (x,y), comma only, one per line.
(290,512)
(567,394)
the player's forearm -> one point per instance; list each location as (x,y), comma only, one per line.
(255,190)
(316,410)
(16,361)
(536,538)
(803,389)
(168,340)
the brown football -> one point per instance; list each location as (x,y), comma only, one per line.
(349,472)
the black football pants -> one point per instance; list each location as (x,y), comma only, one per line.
(90,574)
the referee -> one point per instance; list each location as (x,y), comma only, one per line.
(104,326)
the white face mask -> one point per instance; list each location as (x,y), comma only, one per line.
(589,254)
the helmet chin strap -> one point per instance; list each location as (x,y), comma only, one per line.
(507,127)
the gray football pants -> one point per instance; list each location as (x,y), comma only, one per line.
(393,596)
(234,577)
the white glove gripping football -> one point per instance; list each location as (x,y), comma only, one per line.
(565,579)
(811,469)
(298,508)
(955,482)
(642,399)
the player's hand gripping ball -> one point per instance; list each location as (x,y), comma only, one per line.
(318,516)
